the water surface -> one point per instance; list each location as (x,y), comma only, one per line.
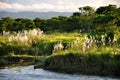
(29,73)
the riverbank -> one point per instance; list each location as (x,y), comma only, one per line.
(66,52)
(89,64)
(16,60)
(21,60)
(73,63)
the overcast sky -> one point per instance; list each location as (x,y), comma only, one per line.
(52,5)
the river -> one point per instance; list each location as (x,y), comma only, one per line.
(29,73)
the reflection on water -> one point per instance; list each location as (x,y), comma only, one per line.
(29,73)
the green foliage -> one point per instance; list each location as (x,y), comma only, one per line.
(118,41)
(19,24)
(45,48)
(4,50)
(86,20)
(109,10)
(22,42)
(6,24)
(93,47)
(62,62)
(102,64)
(87,10)
(109,37)
(76,14)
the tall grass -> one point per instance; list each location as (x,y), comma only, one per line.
(28,41)
(19,42)
(86,54)
(68,52)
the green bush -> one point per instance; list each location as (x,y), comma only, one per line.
(4,50)
(45,48)
(110,37)
(118,41)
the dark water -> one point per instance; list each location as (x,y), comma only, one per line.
(29,73)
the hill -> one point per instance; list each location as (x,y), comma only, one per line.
(32,15)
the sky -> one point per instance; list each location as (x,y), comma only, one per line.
(52,5)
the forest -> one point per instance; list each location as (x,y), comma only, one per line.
(87,42)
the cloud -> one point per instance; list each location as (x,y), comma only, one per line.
(39,6)
(106,3)
(4,6)
(35,7)
(53,5)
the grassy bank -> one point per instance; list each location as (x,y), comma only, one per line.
(21,60)
(96,64)
(73,52)
(16,60)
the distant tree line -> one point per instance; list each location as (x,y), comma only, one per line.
(86,20)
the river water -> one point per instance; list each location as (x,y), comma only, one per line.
(29,73)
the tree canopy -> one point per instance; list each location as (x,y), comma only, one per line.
(86,20)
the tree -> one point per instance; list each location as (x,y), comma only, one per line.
(38,22)
(29,24)
(76,14)
(86,10)
(108,10)
(23,24)
(6,24)
(81,10)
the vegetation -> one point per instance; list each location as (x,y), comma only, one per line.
(86,20)
(87,42)
(99,64)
